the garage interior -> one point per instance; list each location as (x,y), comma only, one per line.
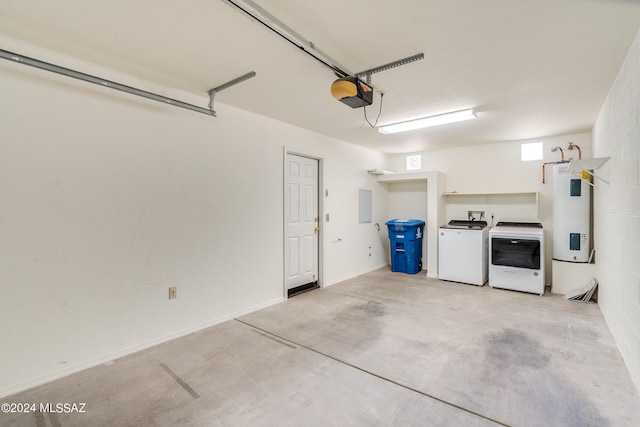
(379,349)
(151,269)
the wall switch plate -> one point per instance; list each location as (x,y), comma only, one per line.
(173,292)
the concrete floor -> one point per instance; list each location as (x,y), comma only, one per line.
(380,349)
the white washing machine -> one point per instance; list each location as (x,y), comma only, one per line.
(463,252)
(517,256)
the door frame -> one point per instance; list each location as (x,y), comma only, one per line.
(321,222)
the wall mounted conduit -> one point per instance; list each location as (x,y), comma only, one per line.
(21,59)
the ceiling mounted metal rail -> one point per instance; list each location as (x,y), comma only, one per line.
(21,59)
(399,62)
(274,24)
(280,28)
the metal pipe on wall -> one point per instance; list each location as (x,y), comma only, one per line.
(553,150)
(572,146)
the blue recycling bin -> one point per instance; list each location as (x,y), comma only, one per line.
(405,237)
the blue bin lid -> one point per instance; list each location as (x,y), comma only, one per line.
(407,222)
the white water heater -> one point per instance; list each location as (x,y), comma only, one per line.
(571,216)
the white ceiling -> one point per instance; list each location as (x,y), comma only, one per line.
(530,68)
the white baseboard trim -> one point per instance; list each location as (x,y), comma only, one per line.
(80,366)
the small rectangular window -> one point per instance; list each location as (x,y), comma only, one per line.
(414,162)
(531,151)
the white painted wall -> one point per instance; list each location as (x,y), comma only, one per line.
(107,199)
(497,168)
(617,210)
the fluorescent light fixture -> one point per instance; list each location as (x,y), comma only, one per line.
(440,119)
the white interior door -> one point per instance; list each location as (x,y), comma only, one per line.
(302,221)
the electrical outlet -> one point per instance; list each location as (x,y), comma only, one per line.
(173,292)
